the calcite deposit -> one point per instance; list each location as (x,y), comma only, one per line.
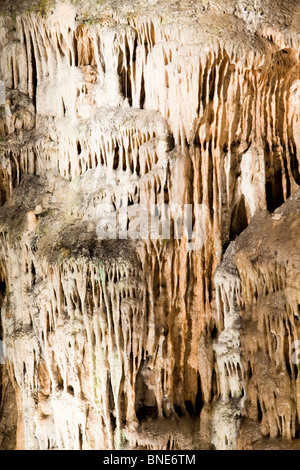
(150,342)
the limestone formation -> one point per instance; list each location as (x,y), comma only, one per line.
(158,342)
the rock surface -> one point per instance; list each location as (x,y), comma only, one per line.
(150,343)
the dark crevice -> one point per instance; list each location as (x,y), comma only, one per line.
(113,421)
(239,221)
(34,73)
(259,412)
(195,410)
(178,410)
(116,158)
(294,162)
(213,331)
(143,93)
(145,400)
(64,108)
(80,437)
(274,192)
(33,272)
(124,72)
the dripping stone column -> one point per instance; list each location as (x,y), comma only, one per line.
(228,408)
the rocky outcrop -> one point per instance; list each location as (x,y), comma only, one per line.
(154,338)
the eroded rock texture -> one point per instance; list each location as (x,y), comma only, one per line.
(146,344)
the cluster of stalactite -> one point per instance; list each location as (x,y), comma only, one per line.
(90,348)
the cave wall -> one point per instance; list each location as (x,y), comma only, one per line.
(147,343)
